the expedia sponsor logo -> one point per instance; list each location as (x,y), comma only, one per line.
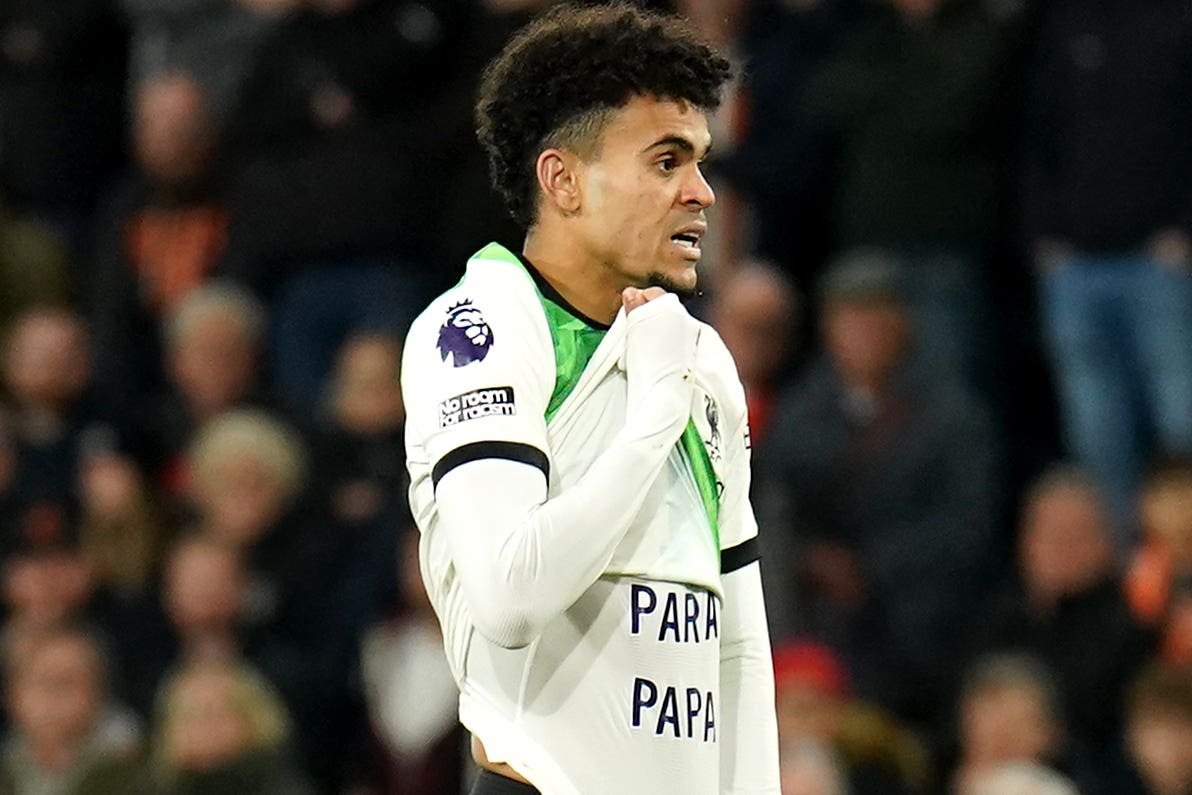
(494,401)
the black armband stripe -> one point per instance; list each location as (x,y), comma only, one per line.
(509,451)
(740,556)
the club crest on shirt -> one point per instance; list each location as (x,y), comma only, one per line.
(712,413)
(465,335)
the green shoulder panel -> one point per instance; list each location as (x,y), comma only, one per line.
(705,476)
(574,340)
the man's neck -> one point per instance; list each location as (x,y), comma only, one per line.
(588,286)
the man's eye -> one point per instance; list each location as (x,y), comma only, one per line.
(667,164)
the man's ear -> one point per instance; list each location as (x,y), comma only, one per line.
(558,177)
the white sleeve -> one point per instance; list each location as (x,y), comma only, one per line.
(522,559)
(477,368)
(749,743)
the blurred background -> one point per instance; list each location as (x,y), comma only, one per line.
(952,255)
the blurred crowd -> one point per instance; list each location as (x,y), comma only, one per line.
(952,257)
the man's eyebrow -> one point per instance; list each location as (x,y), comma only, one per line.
(679,142)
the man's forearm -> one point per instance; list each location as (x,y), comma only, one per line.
(749,739)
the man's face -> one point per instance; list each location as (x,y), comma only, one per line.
(368,396)
(1160,741)
(203,587)
(1065,546)
(866,340)
(57,696)
(214,366)
(208,728)
(754,315)
(1007,724)
(48,361)
(643,195)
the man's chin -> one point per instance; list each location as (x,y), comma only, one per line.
(683,285)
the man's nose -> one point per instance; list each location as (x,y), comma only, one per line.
(697,192)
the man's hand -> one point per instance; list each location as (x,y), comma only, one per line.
(660,345)
(632,297)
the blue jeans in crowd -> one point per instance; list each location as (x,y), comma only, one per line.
(953,328)
(316,311)
(1119,333)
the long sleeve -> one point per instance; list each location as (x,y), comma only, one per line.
(749,742)
(749,738)
(523,559)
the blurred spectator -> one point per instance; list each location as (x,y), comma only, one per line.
(62,75)
(47,372)
(338,153)
(362,467)
(214,339)
(250,474)
(203,591)
(162,232)
(1159,733)
(1021,779)
(913,94)
(34,267)
(212,42)
(411,694)
(1109,216)
(120,529)
(221,729)
(873,754)
(67,737)
(1010,713)
(205,596)
(47,587)
(247,472)
(1067,605)
(120,537)
(50,585)
(808,768)
(757,315)
(1160,576)
(363,457)
(878,488)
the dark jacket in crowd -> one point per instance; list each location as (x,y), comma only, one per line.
(910,491)
(256,773)
(336,142)
(913,106)
(780,162)
(1091,641)
(62,78)
(1109,118)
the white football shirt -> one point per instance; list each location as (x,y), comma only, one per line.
(616,685)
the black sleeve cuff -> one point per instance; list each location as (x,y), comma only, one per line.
(740,556)
(510,451)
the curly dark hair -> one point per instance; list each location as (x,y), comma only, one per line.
(558,79)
